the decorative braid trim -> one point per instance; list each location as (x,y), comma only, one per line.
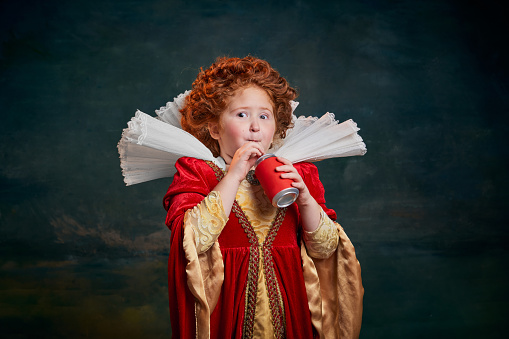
(274,294)
(217,171)
(273,291)
(252,274)
(251,293)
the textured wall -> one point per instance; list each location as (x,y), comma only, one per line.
(81,255)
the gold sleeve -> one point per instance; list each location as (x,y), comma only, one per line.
(207,220)
(323,241)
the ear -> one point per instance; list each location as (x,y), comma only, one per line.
(213,130)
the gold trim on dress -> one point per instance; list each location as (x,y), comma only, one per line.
(323,241)
(274,294)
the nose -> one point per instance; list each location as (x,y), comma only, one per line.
(255,126)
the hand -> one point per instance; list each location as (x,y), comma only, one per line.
(290,172)
(243,159)
(308,207)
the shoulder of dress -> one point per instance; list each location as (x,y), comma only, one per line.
(190,163)
(192,176)
(304,164)
(305,168)
(198,167)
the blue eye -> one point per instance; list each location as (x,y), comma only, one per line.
(264,116)
(242,114)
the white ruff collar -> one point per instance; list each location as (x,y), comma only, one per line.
(150,146)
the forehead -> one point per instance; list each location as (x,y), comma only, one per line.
(249,94)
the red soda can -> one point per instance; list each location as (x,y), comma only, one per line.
(279,190)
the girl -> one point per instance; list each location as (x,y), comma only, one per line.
(239,267)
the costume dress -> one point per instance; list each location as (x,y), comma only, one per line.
(215,293)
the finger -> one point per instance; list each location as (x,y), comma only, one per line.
(252,148)
(289,174)
(294,178)
(255,154)
(286,168)
(301,187)
(284,161)
(253,144)
(258,146)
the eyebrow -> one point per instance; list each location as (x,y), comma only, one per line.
(248,107)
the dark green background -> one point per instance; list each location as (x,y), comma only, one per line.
(81,255)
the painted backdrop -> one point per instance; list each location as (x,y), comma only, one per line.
(81,255)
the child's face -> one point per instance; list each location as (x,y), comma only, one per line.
(249,116)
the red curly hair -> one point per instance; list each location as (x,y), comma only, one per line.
(214,86)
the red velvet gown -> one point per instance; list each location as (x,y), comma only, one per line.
(281,258)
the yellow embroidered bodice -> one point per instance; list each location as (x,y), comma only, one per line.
(257,208)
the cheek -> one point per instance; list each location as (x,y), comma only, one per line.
(234,132)
(271,130)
